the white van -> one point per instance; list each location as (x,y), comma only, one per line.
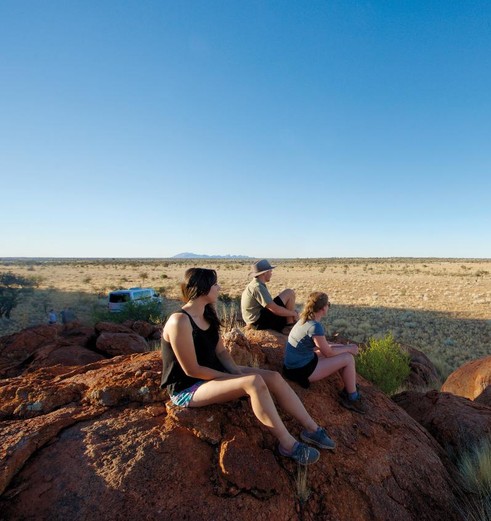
(117,299)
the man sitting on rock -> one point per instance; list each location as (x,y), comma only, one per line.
(259,309)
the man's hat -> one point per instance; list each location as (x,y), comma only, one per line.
(260,267)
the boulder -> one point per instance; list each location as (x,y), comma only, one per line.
(423,372)
(111,327)
(485,397)
(74,344)
(114,344)
(44,346)
(65,354)
(98,443)
(17,349)
(455,422)
(142,328)
(471,379)
(242,351)
(79,335)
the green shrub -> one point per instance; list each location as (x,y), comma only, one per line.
(384,364)
(151,312)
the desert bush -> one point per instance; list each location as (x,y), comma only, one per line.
(229,313)
(151,312)
(474,465)
(226,298)
(13,288)
(384,363)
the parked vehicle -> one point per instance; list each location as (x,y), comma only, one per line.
(118,299)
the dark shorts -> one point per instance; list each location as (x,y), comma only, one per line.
(268,320)
(301,374)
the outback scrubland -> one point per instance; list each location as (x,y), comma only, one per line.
(440,306)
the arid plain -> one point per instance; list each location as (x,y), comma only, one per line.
(441,306)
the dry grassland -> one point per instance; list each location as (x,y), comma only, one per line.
(442,307)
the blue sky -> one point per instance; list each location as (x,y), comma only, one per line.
(261,128)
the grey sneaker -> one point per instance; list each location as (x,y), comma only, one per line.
(319,438)
(354,405)
(301,453)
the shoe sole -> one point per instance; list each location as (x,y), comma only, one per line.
(317,444)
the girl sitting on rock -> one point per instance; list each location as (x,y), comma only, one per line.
(309,357)
(198,371)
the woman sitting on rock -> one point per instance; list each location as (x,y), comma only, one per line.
(198,370)
(309,357)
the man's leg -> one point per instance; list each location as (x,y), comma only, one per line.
(287,296)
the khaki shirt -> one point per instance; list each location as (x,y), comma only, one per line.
(255,297)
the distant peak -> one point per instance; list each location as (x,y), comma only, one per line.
(189,255)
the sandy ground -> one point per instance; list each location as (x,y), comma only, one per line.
(440,306)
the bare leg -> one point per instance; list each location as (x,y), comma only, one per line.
(287,296)
(344,362)
(285,395)
(230,388)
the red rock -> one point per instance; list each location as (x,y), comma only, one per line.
(110,327)
(144,329)
(471,379)
(423,372)
(80,335)
(485,397)
(63,354)
(455,422)
(16,349)
(114,344)
(243,352)
(123,457)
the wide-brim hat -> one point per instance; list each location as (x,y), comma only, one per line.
(260,267)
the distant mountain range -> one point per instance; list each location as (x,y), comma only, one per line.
(189,255)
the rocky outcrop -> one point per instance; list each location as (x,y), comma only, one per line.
(72,345)
(457,423)
(98,442)
(471,379)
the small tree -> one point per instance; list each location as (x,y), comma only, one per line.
(12,289)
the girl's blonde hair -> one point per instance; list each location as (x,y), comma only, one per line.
(315,302)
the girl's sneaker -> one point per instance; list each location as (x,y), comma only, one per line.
(318,438)
(301,453)
(354,405)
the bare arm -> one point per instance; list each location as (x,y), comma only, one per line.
(281,311)
(179,333)
(328,349)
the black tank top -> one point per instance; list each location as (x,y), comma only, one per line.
(205,343)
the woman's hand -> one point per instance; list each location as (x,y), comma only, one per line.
(352,348)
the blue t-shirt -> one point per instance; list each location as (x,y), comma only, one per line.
(300,347)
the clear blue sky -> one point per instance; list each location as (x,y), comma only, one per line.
(280,128)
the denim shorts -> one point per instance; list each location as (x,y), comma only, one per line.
(182,398)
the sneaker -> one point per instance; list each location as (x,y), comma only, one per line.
(301,453)
(319,438)
(355,405)
(344,392)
